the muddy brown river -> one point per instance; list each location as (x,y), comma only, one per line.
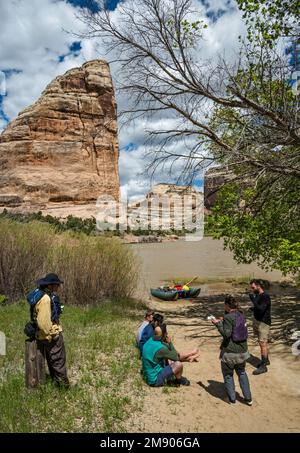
(205,259)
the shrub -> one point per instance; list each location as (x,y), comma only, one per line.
(93,268)
(23,254)
(87,226)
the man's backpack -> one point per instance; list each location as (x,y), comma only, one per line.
(239,331)
(33,298)
(30,329)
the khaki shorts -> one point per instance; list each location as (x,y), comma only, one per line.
(261,330)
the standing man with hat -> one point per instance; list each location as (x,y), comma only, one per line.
(45,310)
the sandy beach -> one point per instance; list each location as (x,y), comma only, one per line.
(202,406)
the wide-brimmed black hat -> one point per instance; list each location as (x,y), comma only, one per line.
(50,279)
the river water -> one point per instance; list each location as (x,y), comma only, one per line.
(205,259)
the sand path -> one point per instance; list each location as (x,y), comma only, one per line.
(201,407)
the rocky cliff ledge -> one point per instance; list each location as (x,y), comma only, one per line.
(214,180)
(167,207)
(61,153)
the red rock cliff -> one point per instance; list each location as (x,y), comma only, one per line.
(62,151)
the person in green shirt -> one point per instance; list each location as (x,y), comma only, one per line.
(161,362)
(234,349)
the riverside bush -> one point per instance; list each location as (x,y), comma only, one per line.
(93,268)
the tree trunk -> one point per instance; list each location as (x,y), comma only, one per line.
(35,372)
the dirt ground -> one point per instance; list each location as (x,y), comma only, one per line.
(202,406)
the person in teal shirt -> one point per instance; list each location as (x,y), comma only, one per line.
(161,362)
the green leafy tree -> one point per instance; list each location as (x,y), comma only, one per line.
(259,224)
(268,20)
(241,115)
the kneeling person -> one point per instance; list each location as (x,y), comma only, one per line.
(155,355)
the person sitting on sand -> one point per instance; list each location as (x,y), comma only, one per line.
(161,364)
(148,331)
(148,319)
(234,349)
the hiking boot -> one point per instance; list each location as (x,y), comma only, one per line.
(230,401)
(248,402)
(184,381)
(261,369)
(267,362)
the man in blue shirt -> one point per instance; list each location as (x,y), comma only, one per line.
(148,319)
(148,331)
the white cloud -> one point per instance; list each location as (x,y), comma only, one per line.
(222,36)
(2,124)
(33,37)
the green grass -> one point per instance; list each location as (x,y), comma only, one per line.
(103,367)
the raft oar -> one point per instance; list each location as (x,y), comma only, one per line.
(188,283)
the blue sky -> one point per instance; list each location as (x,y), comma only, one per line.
(36,48)
(74,49)
(92,5)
